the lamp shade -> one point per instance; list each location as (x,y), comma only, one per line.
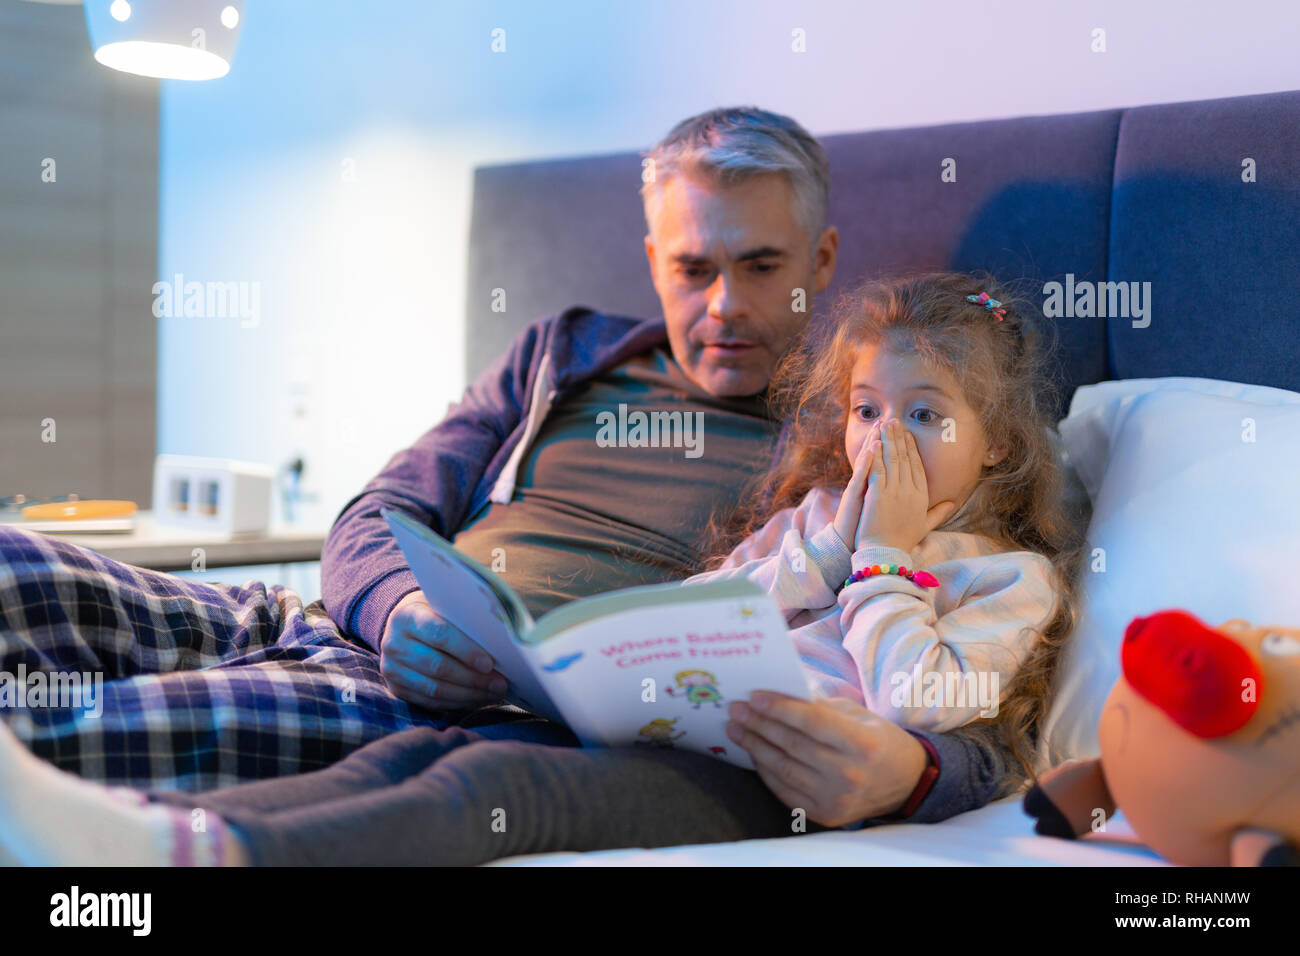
(171,39)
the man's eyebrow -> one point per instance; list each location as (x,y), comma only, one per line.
(923,387)
(762,252)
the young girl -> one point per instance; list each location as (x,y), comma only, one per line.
(918,553)
(912,532)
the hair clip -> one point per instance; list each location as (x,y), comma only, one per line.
(993,305)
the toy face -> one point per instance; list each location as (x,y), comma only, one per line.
(1191,759)
(1276,724)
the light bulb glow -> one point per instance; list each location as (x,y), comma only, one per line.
(120,11)
(162,60)
(229,18)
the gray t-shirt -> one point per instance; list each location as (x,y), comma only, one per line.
(598,507)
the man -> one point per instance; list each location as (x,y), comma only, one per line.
(514,473)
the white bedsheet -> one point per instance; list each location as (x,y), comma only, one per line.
(1000,834)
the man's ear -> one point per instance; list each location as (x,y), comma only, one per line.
(825,258)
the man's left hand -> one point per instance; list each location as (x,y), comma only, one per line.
(834,758)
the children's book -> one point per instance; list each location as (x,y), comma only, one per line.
(648,666)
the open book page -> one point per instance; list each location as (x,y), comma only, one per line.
(661,675)
(476,601)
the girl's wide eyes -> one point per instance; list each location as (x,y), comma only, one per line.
(933,416)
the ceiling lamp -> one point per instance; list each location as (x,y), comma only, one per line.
(170,39)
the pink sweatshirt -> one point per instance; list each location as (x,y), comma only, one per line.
(928,658)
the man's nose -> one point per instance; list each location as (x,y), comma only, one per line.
(725,304)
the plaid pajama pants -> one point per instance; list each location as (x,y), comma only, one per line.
(203,685)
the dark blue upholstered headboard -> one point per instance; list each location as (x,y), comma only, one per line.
(1151,194)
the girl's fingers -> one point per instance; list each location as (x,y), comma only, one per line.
(915,465)
(849,512)
(878,476)
(874,465)
(893,461)
(939,514)
(864,453)
(861,465)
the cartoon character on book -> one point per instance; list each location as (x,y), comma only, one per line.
(659,733)
(700,687)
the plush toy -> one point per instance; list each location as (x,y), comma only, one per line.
(1200,746)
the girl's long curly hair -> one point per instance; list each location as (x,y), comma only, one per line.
(1005,372)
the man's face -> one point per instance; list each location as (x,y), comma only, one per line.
(726,262)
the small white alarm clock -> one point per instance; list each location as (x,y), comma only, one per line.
(213,494)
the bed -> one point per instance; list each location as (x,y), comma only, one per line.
(999,834)
(1198,203)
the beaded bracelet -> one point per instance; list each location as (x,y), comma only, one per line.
(923,578)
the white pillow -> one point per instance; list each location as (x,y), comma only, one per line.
(1188,514)
(1087,397)
(1087,429)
